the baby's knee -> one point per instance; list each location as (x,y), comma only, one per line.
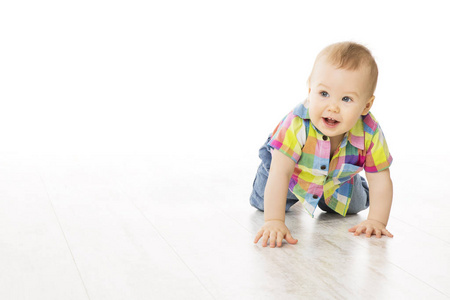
(257,201)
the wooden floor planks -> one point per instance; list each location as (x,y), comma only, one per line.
(137,227)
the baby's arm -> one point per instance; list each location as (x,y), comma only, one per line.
(275,194)
(380,195)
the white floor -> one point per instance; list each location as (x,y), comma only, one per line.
(143,227)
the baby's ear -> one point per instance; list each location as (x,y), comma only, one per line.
(368,106)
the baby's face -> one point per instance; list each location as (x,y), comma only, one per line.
(337,98)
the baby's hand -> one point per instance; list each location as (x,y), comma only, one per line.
(276,230)
(370,227)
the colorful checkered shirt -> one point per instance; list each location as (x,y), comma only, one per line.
(362,148)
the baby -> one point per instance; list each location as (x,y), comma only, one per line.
(316,152)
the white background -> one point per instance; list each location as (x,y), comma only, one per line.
(124,91)
(206,78)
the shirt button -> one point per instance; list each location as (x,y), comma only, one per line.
(323,167)
(325,138)
(315,197)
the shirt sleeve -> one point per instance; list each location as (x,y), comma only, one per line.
(378,157)
(288,135)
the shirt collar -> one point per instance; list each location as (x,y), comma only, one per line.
(302,110)
(355,135)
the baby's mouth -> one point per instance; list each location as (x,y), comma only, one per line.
(330,121)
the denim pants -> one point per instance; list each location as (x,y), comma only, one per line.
(360,194)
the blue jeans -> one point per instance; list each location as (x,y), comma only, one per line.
(360,194)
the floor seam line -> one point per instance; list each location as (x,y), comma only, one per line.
(410,274)
(64,235)
(171,247)
(415,227)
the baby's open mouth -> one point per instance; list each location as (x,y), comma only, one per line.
(330,121)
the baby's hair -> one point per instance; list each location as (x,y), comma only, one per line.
(351,56)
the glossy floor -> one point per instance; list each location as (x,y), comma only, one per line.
(143,227)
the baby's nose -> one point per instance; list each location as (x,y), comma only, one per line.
(333,106)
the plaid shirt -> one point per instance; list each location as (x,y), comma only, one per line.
(362,148)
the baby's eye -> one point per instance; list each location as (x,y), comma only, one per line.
(324,94)
(346,99)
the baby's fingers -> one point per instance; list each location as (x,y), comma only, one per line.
(369,231)
(353,229)
(265,238)
(258,236)
(378,233)
(290,239)
(273,239)
(279,239)
(386,233)
(359,230)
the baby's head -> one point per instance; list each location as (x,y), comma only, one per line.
(341,87)
(350,56)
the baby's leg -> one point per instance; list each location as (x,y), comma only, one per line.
(323,206)
(259,184)
(360,196)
